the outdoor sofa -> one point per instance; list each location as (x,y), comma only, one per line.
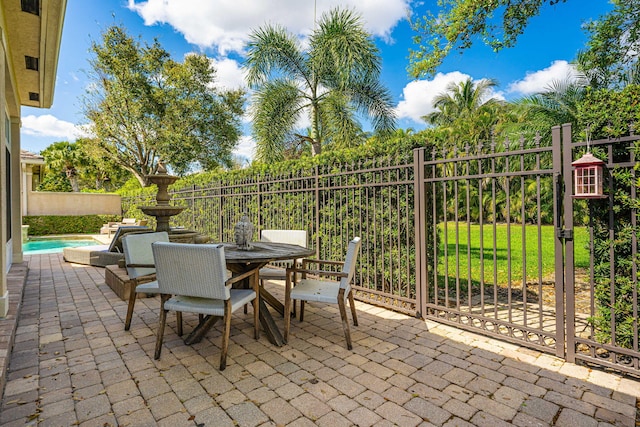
(103,255)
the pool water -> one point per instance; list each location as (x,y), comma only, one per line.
(51,246)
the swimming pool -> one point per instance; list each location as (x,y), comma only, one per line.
(43,245)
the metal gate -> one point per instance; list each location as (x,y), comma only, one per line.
(505,250)
(603,302)
(488,215)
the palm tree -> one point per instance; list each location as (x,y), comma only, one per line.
(556,105)
(64,157)
(466,109)
(332,81)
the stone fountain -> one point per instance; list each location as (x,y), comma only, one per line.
(163,211)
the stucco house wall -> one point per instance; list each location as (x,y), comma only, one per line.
(30,35)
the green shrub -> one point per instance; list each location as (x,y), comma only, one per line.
(58,224)
(610,114)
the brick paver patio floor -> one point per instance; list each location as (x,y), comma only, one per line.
(72,363)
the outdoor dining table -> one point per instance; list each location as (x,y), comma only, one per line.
(240,261)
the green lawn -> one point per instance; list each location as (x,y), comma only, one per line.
(500,256)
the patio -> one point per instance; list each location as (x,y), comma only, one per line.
(72,363)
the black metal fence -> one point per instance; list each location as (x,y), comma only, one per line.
(487,238)
(373,200)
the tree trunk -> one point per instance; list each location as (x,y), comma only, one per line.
(316,147)
(72,176)
(144,182)
(73,180)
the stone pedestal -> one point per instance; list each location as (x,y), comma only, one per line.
(118,280)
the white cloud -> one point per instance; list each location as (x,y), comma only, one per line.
(50,126)
(539,81)
(225,24)
(418,95)
(246,148)
(229,74)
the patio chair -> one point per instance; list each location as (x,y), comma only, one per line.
(277,270)
(326,291)
(140,268)
(196,276)
(103,255)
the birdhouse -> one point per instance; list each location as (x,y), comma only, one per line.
(588,177)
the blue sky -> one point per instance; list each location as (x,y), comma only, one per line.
(219,28)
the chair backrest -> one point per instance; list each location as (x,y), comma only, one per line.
(294,237)
(137,250)
(350,263)
(129,221)
(191,270)
(116,242)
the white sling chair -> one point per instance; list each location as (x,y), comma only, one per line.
(321,290)
(140,266)
(294,237)
(196,276)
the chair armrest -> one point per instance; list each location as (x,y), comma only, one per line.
(317,272)
(242,276)
(141,265)
(306,261)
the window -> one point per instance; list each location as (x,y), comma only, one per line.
(31,6)
(31,63)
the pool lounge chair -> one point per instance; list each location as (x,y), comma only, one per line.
(111,227)
(103,255)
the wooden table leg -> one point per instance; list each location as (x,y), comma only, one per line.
(201,330)
(269,325)
(271,300)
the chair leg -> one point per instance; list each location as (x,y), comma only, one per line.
(161,323)
(352,304)
(287,308)
(345,322)
(256,310)
(225,334)
(301,310)
(132,301)
(179,322)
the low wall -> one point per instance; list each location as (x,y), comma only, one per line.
(49,203)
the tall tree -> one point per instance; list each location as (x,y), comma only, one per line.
(63,159)
(467,110)
(558,103)
(99,172)
(143,107)
(611,56)
(460,22)
(332,82)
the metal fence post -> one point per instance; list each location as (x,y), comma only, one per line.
(559,243)
(316,182)
(420,233)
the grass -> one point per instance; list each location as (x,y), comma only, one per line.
(463,259)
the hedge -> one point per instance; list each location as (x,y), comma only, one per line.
(59,224)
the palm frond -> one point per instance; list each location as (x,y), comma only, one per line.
(272,52)
(276,108)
